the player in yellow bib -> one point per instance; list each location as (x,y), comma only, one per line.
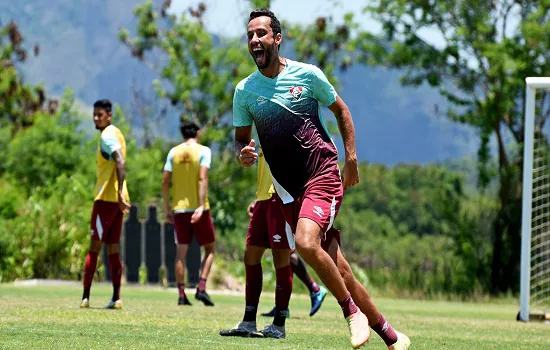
(187,168)
(268,229)
(266,192)
(110,204)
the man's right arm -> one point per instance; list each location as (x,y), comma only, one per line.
(242,120)
(243,135)
(166,177)
(245,151)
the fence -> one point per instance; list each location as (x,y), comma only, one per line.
(151,244)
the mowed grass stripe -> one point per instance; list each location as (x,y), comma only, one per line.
(48,317)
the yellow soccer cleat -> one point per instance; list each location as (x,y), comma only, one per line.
(85,303)
(359,329)
(403,342)
(117,305)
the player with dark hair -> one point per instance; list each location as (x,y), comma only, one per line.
(283,100)
(187,168)
(110,204)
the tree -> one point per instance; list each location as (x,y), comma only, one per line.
(18,101)
(198,72)
(480,70)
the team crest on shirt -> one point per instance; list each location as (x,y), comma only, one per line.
(185,158)
(296,92)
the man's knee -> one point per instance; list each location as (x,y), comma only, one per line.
(294,259)
(308,237)
(281,257)
(253,255)
(307,244)
(181,251)
(209,248)
(112,249)
(95,246)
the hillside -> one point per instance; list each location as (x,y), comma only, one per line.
(80,50)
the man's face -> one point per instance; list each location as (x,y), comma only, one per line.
(102,118)
(262,44)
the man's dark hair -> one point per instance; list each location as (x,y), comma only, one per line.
(189,129)
(275,24)
(104,104)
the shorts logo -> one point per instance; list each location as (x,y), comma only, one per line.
(317,210)
(277,238)
(296,92)
(91,232)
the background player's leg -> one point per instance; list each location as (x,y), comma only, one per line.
(317,293)
(283,289)
(360,295)
(116,269)
(181,253)
(254,280)
(300,270)
(207,261)
(90,267)
(205,271)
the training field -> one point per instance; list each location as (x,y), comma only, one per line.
(49,318)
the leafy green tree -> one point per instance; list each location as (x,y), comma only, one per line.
(480,70)
(198,72)
(37,155)
(18,101)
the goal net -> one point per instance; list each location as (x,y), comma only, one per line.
(535,241)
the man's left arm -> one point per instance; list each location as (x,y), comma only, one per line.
(205,160)
(121,177)
(350,173)
(325,93)
(203,185)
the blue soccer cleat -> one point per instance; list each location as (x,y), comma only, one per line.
(317,300)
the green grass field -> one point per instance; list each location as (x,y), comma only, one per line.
(49,318)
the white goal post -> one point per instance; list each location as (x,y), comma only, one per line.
(535,224)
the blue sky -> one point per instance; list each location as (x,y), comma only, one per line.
(228,17)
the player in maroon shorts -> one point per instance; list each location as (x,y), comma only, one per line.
(267,229)
(283,99)
(188,209)
(110,204)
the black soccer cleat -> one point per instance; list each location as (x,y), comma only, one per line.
(242,329)
(184,301)
(204,297)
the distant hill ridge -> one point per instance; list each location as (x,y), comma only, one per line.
(79,48)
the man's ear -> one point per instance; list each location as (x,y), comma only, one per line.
(278,39)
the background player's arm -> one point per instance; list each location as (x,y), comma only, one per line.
(203,185)
(250,208)
(121,176)
(203,190)
(166,178)
(350,174)
(244,146)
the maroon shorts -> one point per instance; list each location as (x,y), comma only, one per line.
(184,229)
(320,203)
(106,222)
(268,228)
